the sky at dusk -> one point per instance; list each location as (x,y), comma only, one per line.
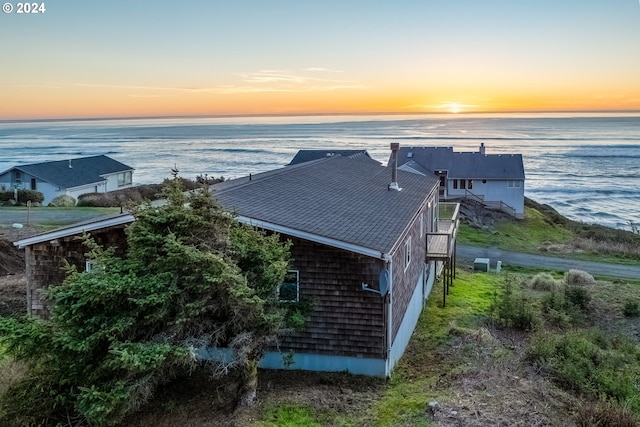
(81,59)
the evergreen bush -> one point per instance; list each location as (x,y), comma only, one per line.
(193,280)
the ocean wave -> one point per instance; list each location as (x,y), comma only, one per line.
(570,194)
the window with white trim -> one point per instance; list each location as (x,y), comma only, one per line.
(407,253)
(289,289)
(513,184)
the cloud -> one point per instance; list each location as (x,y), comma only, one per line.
(311,79)
(327,70)
(304,80)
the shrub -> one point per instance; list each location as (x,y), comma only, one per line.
(591,363)
(511,310)
(557,313)
(579,278)
(121,197)
(63,201)
(543,282)
(631,309)
(23,196)
(566,308)
(605,413)
(577,296)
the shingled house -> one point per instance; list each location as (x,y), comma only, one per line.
(495,180)
(72,177)
(360,236)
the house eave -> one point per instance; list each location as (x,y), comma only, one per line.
(88,184)
(373,253)
(77,229)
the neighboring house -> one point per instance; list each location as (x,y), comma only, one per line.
(361,254)
(308,155)
(495,180)
(72,177)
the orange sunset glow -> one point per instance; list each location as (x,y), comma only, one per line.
(82,59)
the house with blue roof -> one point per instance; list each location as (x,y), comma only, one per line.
(72,177)
(494,180)
(309,155)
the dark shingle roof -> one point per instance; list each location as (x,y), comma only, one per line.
(83,171)
(308,155)
(466,165)
(341,198)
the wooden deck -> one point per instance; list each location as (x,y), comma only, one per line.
(441,243)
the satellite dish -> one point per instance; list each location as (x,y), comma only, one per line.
(384,282)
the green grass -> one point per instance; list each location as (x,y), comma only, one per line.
(62,209)
(523,236)
(290,415)
(413,383)
(543,232)
(51,224)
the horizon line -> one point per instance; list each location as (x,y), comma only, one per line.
(379,113)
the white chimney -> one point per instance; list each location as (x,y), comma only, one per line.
(481,148)
(395,146)
(70,164)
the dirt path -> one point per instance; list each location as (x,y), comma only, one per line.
(469,253)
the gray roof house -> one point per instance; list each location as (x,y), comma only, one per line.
(95,174)
(308,155)
(361,255)
(495,180)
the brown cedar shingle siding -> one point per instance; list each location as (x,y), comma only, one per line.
(404,282)
(345,319)
(45,261)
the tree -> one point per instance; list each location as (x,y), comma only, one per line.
(194,283)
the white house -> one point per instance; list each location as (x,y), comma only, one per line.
(495,180)
(72,177)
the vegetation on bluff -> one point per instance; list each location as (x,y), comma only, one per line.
(193,280)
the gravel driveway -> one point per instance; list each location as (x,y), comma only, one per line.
(550,263)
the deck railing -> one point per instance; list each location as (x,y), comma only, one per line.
(440,243)
(497,205)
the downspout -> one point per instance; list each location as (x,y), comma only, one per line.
(389,317)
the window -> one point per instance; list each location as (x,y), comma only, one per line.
(289,290)
(462,184)
(124,178)
(513,184)
(89,265)
(484,181)
(33,184)
(455,184)
(470,184)
(407,253)
(18,177)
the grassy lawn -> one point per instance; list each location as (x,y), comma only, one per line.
(415,380)
(543,233)
(46,218)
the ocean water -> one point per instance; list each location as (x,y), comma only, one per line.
(587,166)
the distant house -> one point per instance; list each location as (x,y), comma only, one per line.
(495,180)
(72,177)
(365,252)
(309,155)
